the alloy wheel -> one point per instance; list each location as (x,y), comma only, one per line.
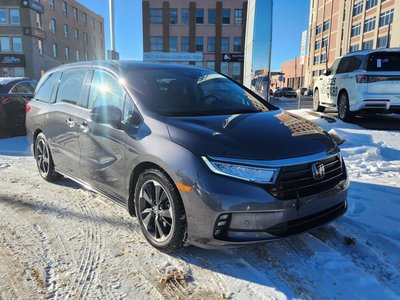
(156,212)
(42,157)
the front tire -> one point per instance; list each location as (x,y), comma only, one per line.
(344,112)
(316,104)
(43,158)
(160,211)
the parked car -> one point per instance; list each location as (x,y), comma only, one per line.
(196,156)
(361,82)
(285,92)
(15,92)
(308,92)
(301,91)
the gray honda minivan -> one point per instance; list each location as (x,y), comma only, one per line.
(197,157)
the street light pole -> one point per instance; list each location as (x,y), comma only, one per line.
(112,30)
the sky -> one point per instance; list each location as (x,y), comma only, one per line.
(290,19)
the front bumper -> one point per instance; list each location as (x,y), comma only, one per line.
(253,215)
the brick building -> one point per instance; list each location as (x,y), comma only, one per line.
(38,35)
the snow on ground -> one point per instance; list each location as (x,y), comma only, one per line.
(62,241)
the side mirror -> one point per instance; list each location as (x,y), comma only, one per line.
(107,114)
(326,72)
(134,119)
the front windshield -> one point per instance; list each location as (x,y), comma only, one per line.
(188,92)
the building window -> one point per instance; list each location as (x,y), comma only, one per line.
(94,23)
(17,44)
(317,45)
(40,46)
(65,30)
(156,15)
(156,43)
(14,16)
(86,56)
(199,16)
(386,18)
(75,13)
(323,58)
(198,63)
(77,55)
(173,16)
(369,24)
(326,25)
(184,43)
(237,44)
(3,16)
(67,53)
(185,16)
(236,71)
(238,14)
(211,16)
(55,52)
(85,19)
(5,44)
(65,8)
(370,4)
(94,41)
(76,35)
(367,45)
(199,43)
(324,42)
(354,48)
(53,26)
(52,4)
(39,22)
(383,41)
(355,29)
(225,44)
(318,29)
(357,9)
(225,68)
(85,37)
(316,59)
(226,16)
(173,44)
(211,44)
(210,65)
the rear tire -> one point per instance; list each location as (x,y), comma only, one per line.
(344,112)
(43,158)
(316,105)
(160,211)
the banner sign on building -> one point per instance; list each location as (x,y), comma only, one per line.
(172,56)
(233,57)
(33,5)
(36,32)
(12,60)
(303,46)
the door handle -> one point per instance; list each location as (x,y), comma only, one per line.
(84,127)
(71,123)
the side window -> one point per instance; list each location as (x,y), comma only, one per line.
(23,88)
(70,87)
(349,64)
(105,90)
(45,89)
(334,66)
(129,109)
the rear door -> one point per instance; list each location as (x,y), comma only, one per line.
(63,118)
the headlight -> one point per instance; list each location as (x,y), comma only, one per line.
(248,173)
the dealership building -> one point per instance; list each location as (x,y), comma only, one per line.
(205,33)
(38,35)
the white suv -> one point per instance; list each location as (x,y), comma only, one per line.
(361,82)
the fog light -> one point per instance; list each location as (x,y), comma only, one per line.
(221,226)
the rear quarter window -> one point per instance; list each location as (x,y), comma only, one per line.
(45,88)
(384,61)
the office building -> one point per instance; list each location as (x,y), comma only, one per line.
(38,35)
(205,33)
(337,27)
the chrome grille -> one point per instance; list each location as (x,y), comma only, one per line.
(297,181)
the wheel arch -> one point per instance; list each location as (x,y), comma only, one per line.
(342,90)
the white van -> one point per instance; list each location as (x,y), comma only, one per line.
(361,82)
